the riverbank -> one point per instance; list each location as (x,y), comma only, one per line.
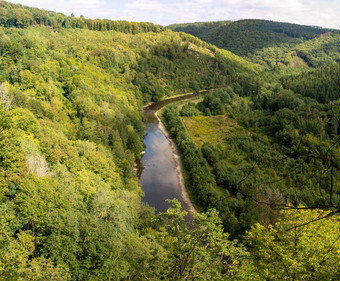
(178,162)
(174,98)
(160,170)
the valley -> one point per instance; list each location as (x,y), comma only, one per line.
(256,154)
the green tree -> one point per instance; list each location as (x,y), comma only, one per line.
(302,245)
(201,251)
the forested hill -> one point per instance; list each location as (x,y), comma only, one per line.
(199,29)
(16,15)
(71,129)
(246,36)
(72,92)
(322,84)
(275,45)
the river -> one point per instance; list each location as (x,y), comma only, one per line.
(161,175)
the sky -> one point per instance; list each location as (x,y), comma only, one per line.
(324,13)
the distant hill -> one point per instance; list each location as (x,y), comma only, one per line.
(321,50)
(322,84)
(272,43)
(199,29)
(246,36)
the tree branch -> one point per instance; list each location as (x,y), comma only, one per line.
(321,218)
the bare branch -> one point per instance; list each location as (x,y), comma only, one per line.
(328,150)
(249,173)
(311,221)
(5,98)
(284,176)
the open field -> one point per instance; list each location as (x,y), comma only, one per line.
(211,129)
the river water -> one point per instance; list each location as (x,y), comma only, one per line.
(161,177)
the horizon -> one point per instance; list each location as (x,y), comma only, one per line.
(165,12)
(250,19)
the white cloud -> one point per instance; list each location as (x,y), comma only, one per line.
(88,8)
(145,5)
(311,12)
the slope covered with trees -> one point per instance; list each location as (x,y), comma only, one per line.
(273,44)
(246,36)
(272,148)
(71,129)
(322,84)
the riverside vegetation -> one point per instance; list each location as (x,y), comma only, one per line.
(71,129)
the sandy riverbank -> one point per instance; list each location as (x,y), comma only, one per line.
(178,163)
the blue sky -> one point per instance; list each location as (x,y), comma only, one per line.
(325,13)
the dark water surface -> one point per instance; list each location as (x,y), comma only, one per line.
(159,178)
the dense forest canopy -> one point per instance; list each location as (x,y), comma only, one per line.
(16,15)
(322,84)
(244,37)
(275,45)
(72,92)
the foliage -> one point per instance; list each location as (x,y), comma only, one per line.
(320,51)
(321,84)
(16,15)
(71,129)
(276,46)
(189,110)
(290,250)
(244,37)
(202,251)
(201,182)
(275,154)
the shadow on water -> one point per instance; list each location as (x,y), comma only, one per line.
(159,173)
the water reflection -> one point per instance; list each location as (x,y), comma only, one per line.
(159,178)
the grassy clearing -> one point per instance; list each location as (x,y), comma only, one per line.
(180,104)
(175,95)
(211,129)
(298,62)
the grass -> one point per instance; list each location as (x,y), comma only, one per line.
(179,104)
(298,62)
(213,129)
(175,95)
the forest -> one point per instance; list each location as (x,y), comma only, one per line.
(272,44)
(274,150)
(16,15)
(72,92)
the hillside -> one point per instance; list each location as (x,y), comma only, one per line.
(72,92)
(244,37)
(71,129)
(269,43)
(199,29)
(322,84)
